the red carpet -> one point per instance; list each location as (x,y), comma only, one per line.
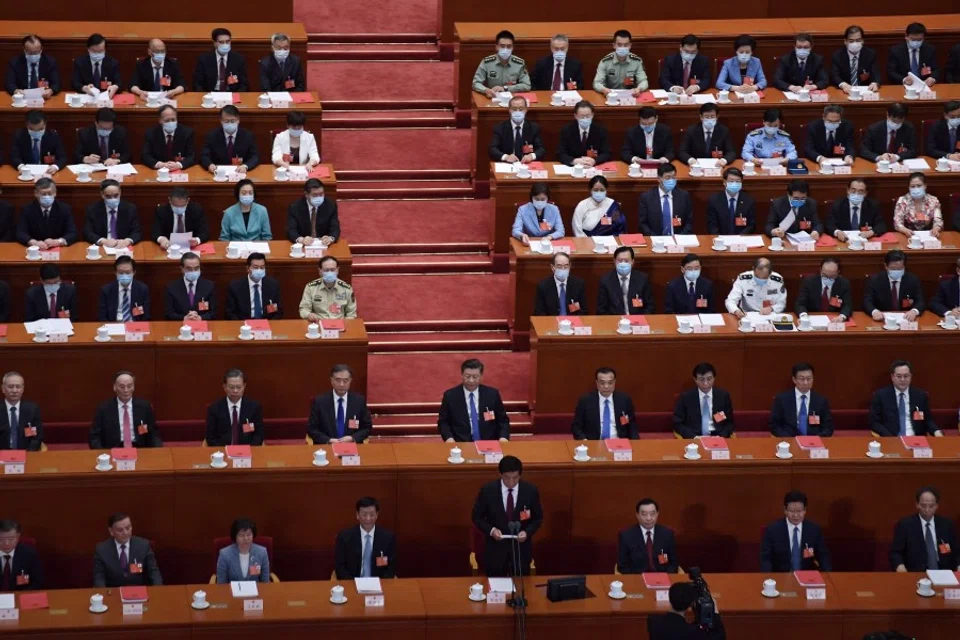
(414,221)
(382,82)
(432,297)
(368,16)
(397,149)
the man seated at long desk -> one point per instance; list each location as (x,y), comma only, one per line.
(157,74)
(179,214)
(124,299)
(103,142)
(33,69)
(605,413)
(124,421)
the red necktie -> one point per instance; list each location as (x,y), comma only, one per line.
(53,305)
(825,299)
(223,74)
(236,426)
(510,505)
(557,79)
(230,148)
(650,550)
(127,435)
(7,561)
(892,147)
(169,148)
(686,74)
(894,296)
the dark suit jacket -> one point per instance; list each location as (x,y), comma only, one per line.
(572,147)
(869,70)
(26,563)
(953,64)
(88,143)
(788,72)
(38,302)
(898,63)
(718,214)
(83,72)
(96,226)
(783,415)
(651,212)
(5,303)
(869,215)
(587,422)
(548,298)
(502,142)
(50,146)
(632,551)
(686,413)
(298,220)
(194,221)
(947,298)
(635,144)
(811,292)
(671,72)
(874,141)
(454,418)
(322,425)
(610,297)
(220,423)
(542,78)
(206,72)
(885,414)
(143,75)
(694,144)
(273,78)
(909,547)
(27,415)
(107,571)
(349,553)
(938,140)
(780,208)
(238,299)
(110,300)
(877,294)
(6,222)
(677,299)
(775,548)
(670,626)
(155,147)
(817,146)
(215,148)
(18,76)
(105,429)
(489,513)
(177,303)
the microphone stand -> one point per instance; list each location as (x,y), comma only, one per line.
(517,602)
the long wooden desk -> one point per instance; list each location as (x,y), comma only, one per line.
(740,118)
(718,530)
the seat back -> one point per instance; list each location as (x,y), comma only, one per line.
(924,126)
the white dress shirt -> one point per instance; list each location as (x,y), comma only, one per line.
(790,528)
(648,137)
(933,529)
(230,407)
(476,400)
(244,563)
(709,396)
(7,557)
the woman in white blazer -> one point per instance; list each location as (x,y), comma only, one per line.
(295,147)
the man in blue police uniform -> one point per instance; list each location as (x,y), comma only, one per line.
(770,141)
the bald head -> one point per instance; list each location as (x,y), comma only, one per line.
(156,45)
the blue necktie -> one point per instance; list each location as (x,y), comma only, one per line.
(96,75)
(705,416)
(795,552)
(933,559)
(257,303)
(855,218)
(14,428)
(156,80)
(953,139)
(667,217)
(474,419)
(802,416)
(902,407)
(125,306)
(367,556)
(914,63)
(605,430)
(32,83)
(733,212)
(563,299)
(341,418)
(36,151)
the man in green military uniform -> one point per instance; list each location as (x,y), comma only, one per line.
(503,71)
(621,69)
(328,297)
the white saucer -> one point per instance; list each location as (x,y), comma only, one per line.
(310,337)
(887,171)
(87,181)
(319,464)
(216,179)
(100,610)
(236,257)
(33,259)
(897,328)
(619,597)
(188,339)
(75,106)
(22,179)
(96,468)
(773,248)
(634,175)
(724,248)
(625,333)
(599,250)
(662,250)
(874,455)
(212,106)
(906,97)
(97,258)
(38,340)
(170,257)
(576,459)
(947,170)
(565,333)
(478,599)
(240,337)
(696,457)
(745,330)
(825,173)
(810,328)
(786,457)
(853,248)
(460,461)
(287,179)
(775,594)
(265,106)
(943,326)
(687,332)
(99,339)
(206,605)
(222,465)
(344,601)
(302,255)
(169,179)
(926,595)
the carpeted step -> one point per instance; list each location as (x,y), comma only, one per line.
(439,341)
(432,297)
(374,119)
(394,225)
(403,150)
(368,18)
(382,84)
(398,51)
(372,189)
(422,264)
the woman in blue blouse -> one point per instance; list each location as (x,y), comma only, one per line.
(246,220)
(539,217)
(743,71)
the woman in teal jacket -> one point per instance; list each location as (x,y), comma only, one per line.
(246,220)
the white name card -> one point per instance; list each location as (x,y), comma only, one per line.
(738,248)
(932,243)
(13,469)
(777,171)
(648,173)
(235,176)
(281,104)
(819,97)
(329,334)
(583,331)
(751,98)
(841,170)
(908,326)
(350,461)
(180,177)
(819,454)
(712,172)
(836,326)
(817,594)
(242,463)
(675,248)
(928,95)
(58,337)
(373,601)
(133,609)
(496,597)
(702,328)
(720,454)
(203,336)
(9,614)
(923,452)
(262,334)
(872,246)
(126,465)
(133,337)
(314,252)
(764,327)
(115,176)
(492,458)
(640,329)
(253,604)
(807,246)
(623,456)
(951,594)
(220,104)
(663,595)
(870,96)
(35,103)
(899,168)
(50,256)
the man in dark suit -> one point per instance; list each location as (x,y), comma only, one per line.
(828,291)
(625,290)
(499,504)
(689,293)
(605,413)
(648,547)
(666,210)
(472,411)
(366,551)
(339,415)
(926,540)
(892,139)
(96,70)
(169,145)
(799,207)
(947,300)
(257,295)
(831,137)
(234,418)
(124,421)
(20,424)
(558,71)
(313,218)
(517,139)
(38,144)
(902,410)
(943,139)
(895,290)
(112,222)
(687,71)
(561,294)
(229,144)
(157,73)
(33,69)
(190,297)
(124,299)
(855,212)
(673,625)
(5,303)
(854,64)
(282,71)
(124,560)
(794,543)
(706,410)
(953,65)
(801,411)
(6,222)
(801,68)
(20,566)
(731,212)
(221,70)
(707,139)
(103,142)
(51,298)
(913,56)
(179,215)
(649,141)
(584,141)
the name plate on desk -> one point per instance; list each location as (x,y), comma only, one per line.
(14,468)
(115,176)
(50,256)
(720,454)
(253,604)
(492,458)
(909,326)
(281,104)
(819,97)
(872,246)
(675,248)
(951,594)
(262,334)
(764,327)
(869,96)
(373,601)
(623,456)
(663,595)
(203,336)
(583,331)
(928,95)
(932,243)
(220,104)
(539,175)
(702,328)
(242,463)
(235,176)
(751,98)
(9,614)
(648,173)
(314,252)
(841,170)
(817,594)
(819,454)
(923,452)
(133,337)
(738,247)
(350,461)
(35,103)
(126,465)
(777,171)
(836,326)
(807,246)
(329,334)
(180,177)
(133,609)
(899,168)
(712,172)
(58,337)
(496,597)
(640,330)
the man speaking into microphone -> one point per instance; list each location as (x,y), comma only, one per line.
(499,503)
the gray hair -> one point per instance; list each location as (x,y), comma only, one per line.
(279,37)
(561,38)
(10,374)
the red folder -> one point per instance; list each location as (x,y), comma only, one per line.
(258,325)
(197,325)
(646,96)
(331,325)
(206,248)
(37,600)
(341,449)
(606,166)
(915,442)
(301,97)
(319,172)
(236,98)
(889,237)
(617,444)
(809,578)
(124,100)
(239,451)
(633,240)
(530,96)
(488,446)
(713,443)
(3,331)
(535,166)
(575,321)
(137,327)
(130,595)
(760,93)
(636,321)
(119,453)
(656,580)
(826,241)
(13,456)
(810,442)
(851,323)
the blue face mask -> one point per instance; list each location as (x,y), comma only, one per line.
(855,198)
(125,279)
(917,192)
(624,268)
(36,135)
(598,195)
(257,274)
(505,52)
(559,56)
(894,126)
(669,184)
(192,276)
(827,282)
(223,49)
(760,282)
(691,274)
(585,123)
(47,201)
(112,203)
(518,116)
(648,128)
(169,128)
(561,274)
(179,210)
(104,133)
(97,57)
(246,199)
(734,187)
(953,123)
(709,124)
(796,204)
(623,52)
(831,126)
(230,128)
(687,57)
(281,54)
(159,57)
(295,133)
(895,274)
(329,277)
(802,53)
(914,44)
(32,58)
(50,289)
(771,131)
(316,201)
(743,58)
(539,205)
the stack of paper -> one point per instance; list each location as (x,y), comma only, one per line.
(836,162)
(501,585)
(770,162)
(244,589)
(504,167)
(915,82)
(659,94)
(297,172)
(280,96)
(84,98)
(797,238)
(7,601)
(667,241)
(50,325)
(708,163)
(896,315)
(87,168)
(693,321)
(704,98)
(562,170)
(819,322)
(570,95)
(222,96)
(790,95)
(748,241)
(923,234)
(250,247)
(31,94)
(686,240)
(368,586)
(916,164)
(942,578)
(609,242)
(35,169)
(125,169)
(712,319)
(116,328)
